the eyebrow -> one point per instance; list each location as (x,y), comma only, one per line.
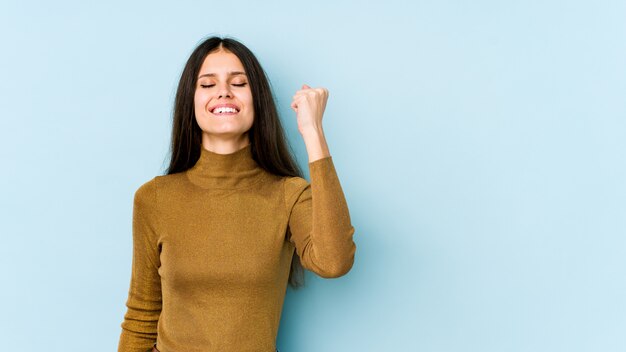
(231,73)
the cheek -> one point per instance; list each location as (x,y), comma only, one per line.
(199,99)
(247,98)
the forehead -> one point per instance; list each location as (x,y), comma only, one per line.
(221,62)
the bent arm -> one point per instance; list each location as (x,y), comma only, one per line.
(319,223)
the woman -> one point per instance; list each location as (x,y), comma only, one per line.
(217,239)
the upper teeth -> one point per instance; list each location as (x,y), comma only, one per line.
(223,109)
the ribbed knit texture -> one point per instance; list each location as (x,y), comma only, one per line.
(212,249)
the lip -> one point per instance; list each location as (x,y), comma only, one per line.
(233,106)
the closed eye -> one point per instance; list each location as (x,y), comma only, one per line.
(212,85)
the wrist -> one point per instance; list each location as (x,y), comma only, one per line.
(315,132)
(316,145)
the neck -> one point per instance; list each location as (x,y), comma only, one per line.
(226,171)
(224,146)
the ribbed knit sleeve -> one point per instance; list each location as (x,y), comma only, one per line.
(319,221)
(139,328)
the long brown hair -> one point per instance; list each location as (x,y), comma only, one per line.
(270,148)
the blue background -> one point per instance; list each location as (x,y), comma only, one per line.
(481,147)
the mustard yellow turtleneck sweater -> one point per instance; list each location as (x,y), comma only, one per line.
(212,249)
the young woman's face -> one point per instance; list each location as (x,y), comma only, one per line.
(223,99)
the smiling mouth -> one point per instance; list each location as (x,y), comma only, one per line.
(224,111)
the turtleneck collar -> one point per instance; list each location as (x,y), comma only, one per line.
(226,171)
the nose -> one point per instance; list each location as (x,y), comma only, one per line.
(224,92)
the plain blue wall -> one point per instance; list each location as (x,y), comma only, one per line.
(481,146)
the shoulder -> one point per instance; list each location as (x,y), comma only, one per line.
(146,192)
(163,183)
(295,186)
(157,184)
